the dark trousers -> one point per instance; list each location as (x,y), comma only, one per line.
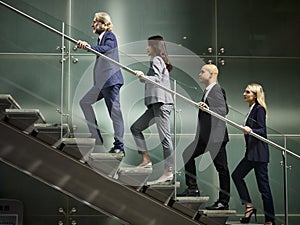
(262,178)
(112,100)
(219,156)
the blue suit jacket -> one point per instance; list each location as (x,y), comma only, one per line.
(107,74)
(257,150)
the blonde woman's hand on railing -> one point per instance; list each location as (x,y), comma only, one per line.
(247,130)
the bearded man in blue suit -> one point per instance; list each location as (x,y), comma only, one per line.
(108,80)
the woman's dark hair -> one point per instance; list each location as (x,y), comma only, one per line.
(159,46)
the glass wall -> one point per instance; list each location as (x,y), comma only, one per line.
(248,41)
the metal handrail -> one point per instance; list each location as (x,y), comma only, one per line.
(157,84)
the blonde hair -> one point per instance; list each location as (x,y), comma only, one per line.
(260,95)
(104,18)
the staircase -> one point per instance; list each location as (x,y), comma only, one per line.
(46,152)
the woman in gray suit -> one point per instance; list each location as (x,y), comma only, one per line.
(159,105)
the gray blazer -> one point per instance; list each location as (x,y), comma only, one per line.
(157,72)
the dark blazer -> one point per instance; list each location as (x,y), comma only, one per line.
(257,150)
(107,74)
(211,129)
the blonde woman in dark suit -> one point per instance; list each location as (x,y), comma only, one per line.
(256,156)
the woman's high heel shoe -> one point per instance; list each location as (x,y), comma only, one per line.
(249,211)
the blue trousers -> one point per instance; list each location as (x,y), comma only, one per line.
(262,179)
(112,100)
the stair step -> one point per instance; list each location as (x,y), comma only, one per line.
(202,199)
(183,208)
(163,185)
(193,203)
(79,148)
(214,217)
(229,212)
(7,102)
(107,163)
(23,119)
(162,192)
(238,222)
(51,133)
(133,176)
